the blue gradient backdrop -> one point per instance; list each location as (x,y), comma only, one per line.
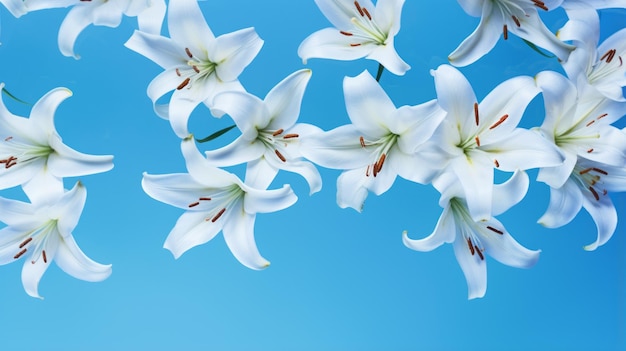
(339,280)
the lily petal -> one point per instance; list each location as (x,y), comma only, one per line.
(71,259)
(239,236)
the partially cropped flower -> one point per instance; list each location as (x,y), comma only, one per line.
(361,30)
(501,17)
(595,155)
(379,145)
(33,155)
(476,138)
(270,136)
(599,67)
(214,200)
(197,65)
(149,13)
(41,233)
(474,240)
(16,7)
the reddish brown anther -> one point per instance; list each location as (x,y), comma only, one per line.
(505,32)
(19,254)
(183,84)
(278,132)
(188,52)
(480,253)
(194,204)
(358,8)
(499,122)
(477,141)
(205,199)
(495,230)
(367,13)
(595,194)
(517,23)
(495,162)
(25,242)
(43,255)
(471,246)
(218,215)
(476,113)
(282,158)
(348,34)
(291,136)
(362,140)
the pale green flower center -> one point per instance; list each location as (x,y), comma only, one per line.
(15,150)
(379,153)
(35,240)
(590,179)
(196,69)
(366,30)
(277,140)
(217,201)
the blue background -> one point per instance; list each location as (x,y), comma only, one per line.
(339,280)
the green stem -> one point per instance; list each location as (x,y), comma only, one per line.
(381,68)
(216,134)
(14,97)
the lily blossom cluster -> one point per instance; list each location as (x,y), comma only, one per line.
(33,156)
(202,68)
(453,142)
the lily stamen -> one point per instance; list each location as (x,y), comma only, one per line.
(476,113)
(540,4)
(183,84)
(477,141)
(471,246)
(43,254)
(8,138)
(194,204)
(278,132)
(500,121)
(280,156)
(204,199)
(218,215)
(25,242)
(480,253)
(517,22)
(595,194)
(358,7)
(290,136)
(505,32)
(19,254)
(362,140)
(348,34)
(367,13)
(495,162)
(188,52)
(600,171)
(495,230)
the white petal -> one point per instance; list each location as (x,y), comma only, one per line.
(475,173)
(340,12)
(74,262)
(266,201)
(423,120)
(77,19)
(474,269)
(163,51)
(260,173)
(180,108)
(241,150)
(444,232)
(43,187)
(151,19)
(248,111)
(200,169)
(504,248)
(523,149)
(68,209)
(187,25)
(559,95)
(509,193)
(284,100)
(339,148)
(191,229)
(604,215)
(329,43)
(481,41)
(533,30)
(16,7)
(233,52)
(368,105)
(67,162)
(32,272)
(42,114)
(387,56)
(306,169)
(352,188)
(178,190)
(239,235)
(565,203)
(388,14)
(456,96)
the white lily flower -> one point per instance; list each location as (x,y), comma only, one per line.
(149,13)
(600,67)
(519,17)
(42,233)
(197,65)
(473,240)
(380,144)
(361,30)
(16,7)
(587,187)
(578,127)
(475,138)
(270,136)
(214,201)
(595,156)
(33,155)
